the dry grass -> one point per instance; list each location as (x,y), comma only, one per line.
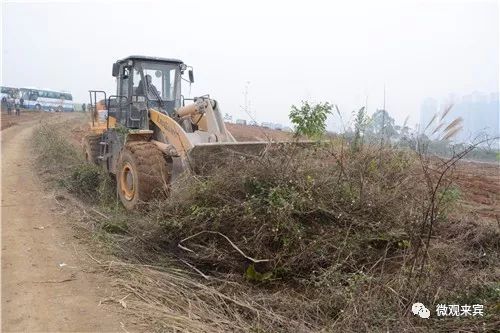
(338,231)
(172,299)
(301,209)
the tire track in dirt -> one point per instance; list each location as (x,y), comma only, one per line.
(44,284)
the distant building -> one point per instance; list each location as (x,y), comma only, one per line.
(228,118)
(275,126)
(241,121)
(480,114)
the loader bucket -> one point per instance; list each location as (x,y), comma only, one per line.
(205,156)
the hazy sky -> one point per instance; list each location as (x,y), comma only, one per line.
(343,52)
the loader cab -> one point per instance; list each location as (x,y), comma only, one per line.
(144,83)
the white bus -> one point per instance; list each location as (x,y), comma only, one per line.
(47,100)
(8,93)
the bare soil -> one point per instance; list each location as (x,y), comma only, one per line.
(257,133)
(7,121)
(47,281)
(480,187)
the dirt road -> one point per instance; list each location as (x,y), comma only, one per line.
(45,284)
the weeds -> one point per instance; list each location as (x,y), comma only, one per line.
(65,164)
(321,240)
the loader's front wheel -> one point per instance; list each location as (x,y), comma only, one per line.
(142,174)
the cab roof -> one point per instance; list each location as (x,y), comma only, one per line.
(147,58)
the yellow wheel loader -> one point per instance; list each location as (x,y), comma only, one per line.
(146,135)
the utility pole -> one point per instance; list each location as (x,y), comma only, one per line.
(366,104)
(245,93)
(384,96)
(383,123)
(247,103)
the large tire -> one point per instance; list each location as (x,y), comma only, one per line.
(91,148)
(142,173)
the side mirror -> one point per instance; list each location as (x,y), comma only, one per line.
(191,76)
(116,69)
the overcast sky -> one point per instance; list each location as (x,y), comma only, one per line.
(289,51)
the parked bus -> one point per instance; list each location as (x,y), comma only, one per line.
(47,100)
(9,93)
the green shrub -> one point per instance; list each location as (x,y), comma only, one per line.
(84,179)
(299,215)
(310,120)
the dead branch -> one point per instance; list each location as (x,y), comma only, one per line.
(206,277)
(230,242)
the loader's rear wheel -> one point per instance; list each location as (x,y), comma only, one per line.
(91,148)
(142,174)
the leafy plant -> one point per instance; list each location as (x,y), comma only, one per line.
(252,275)
(360,125)
(310,119)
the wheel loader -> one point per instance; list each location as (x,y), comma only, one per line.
(147,134)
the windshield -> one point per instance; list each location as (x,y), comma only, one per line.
(162,81)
